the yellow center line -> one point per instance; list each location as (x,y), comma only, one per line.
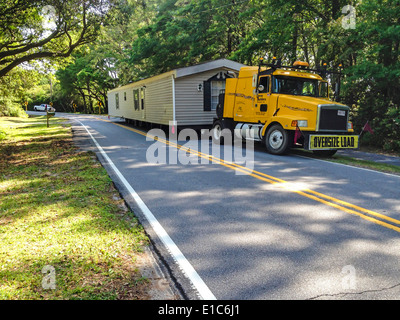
(344,203)
(308,193)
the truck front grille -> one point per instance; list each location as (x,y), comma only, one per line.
(332,118)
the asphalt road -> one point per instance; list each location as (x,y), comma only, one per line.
(295,228)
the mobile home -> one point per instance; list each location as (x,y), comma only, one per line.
(187,95)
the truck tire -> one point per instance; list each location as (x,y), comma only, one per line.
(216,132)
(276,140)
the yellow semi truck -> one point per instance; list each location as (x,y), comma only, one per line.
(284,107)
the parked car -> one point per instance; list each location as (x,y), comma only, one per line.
(44,107)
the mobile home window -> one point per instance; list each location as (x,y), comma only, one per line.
(136,99)
(117,101)
(216,87)
(124,96)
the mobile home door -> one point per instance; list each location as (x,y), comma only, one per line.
(142,102)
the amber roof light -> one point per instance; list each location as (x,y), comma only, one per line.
(301,64)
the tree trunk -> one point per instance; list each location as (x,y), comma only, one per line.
(335,9)
(83,99)
(294,42)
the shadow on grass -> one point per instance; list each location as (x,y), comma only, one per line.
(56,208)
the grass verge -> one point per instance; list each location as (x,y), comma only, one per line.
(60,213)
(382,167)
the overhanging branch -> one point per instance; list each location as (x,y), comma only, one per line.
(69,34)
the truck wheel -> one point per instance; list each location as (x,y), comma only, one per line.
(325,153)
(216,132)
(277,140)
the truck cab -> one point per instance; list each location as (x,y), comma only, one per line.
(284,107)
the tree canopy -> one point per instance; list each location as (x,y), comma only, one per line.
(39,29)
(111,43)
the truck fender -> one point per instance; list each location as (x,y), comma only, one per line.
(283,121)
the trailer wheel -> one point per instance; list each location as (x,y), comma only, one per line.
(276,140)
(216,132)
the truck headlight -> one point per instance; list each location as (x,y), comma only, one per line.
(299,123)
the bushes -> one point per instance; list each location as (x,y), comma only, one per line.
(389,125)
(9,108)
(386,127)
(371,90)
(13,92)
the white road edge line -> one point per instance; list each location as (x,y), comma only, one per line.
(350,166)
(204,292)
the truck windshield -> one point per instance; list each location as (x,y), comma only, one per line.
(295,86)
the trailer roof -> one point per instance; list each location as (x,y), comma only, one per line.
(187,71)
(209,65)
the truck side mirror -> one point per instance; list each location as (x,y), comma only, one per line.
(260,88)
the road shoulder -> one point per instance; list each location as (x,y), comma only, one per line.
(150,265)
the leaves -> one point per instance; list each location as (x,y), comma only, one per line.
(27,34)
(140,39)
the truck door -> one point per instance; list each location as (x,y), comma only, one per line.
(262,100)
(244,101)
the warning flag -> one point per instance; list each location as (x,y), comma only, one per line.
(368,128)
(297,134)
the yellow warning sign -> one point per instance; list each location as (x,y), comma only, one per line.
(324,142)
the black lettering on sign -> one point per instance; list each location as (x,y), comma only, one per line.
(343,142)
(336,142)
(321,142)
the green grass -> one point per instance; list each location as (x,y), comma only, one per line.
(3,135)
(382,167)
(58,207)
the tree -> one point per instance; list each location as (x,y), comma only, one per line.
(44,29)
(14,90)
(373,80)
(88,75)
(184,33)
(117,34)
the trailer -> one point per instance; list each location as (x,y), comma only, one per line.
(188,96)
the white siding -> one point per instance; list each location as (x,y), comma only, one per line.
(189,102)
(112,110)
(157,101)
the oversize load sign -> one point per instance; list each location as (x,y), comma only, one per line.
(318,142)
